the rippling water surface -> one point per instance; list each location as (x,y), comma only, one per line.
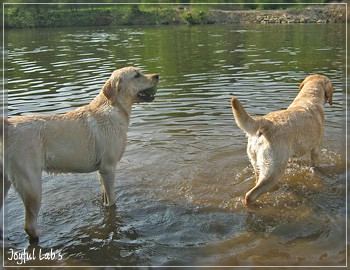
(181,182)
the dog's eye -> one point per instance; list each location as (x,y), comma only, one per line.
(137,75)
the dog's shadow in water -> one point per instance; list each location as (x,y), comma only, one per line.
(109,242)
(106,243)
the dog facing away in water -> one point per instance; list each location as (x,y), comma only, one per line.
(90,138)
(278,136)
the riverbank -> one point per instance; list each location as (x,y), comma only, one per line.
(325,14)
(37,16)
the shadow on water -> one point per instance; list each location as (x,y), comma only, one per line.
(110,242)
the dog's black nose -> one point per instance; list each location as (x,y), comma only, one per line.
(156,76)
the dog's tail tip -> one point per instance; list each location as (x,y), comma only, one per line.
(237,107)
(236,104)
(234,101)
(243,119)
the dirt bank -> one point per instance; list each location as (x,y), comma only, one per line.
(323,14)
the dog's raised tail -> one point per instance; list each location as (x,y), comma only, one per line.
(243,119)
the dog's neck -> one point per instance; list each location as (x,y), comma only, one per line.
(312,95)
(102,102)
(126,110)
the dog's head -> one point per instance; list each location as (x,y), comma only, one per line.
(130,85)
(326,85)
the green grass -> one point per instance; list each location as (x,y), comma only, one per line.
(46,16)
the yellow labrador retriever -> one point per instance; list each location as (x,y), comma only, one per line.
(90,138)
(280,135)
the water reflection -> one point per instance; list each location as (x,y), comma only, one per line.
(181,182)
(111,242)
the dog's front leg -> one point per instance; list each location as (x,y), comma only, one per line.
(107,181)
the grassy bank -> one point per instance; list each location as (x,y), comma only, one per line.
(38,16)
(44,16)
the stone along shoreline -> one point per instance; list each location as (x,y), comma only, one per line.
(326,14)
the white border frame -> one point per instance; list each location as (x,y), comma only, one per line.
(240,266)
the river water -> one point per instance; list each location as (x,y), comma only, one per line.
(181,182)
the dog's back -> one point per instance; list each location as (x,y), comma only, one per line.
(297,131)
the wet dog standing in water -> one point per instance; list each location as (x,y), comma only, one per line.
(90,138)
(280,135)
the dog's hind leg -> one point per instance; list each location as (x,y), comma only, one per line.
(256,171)
(315,156)
(4,188)
(6,184)
(267,179)
(252,154)
(27,183)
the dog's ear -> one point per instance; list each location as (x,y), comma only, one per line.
(110,89)
(107,89)
(329,93)
(304,82)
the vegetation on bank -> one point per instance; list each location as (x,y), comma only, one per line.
(63,15)
(37,16)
